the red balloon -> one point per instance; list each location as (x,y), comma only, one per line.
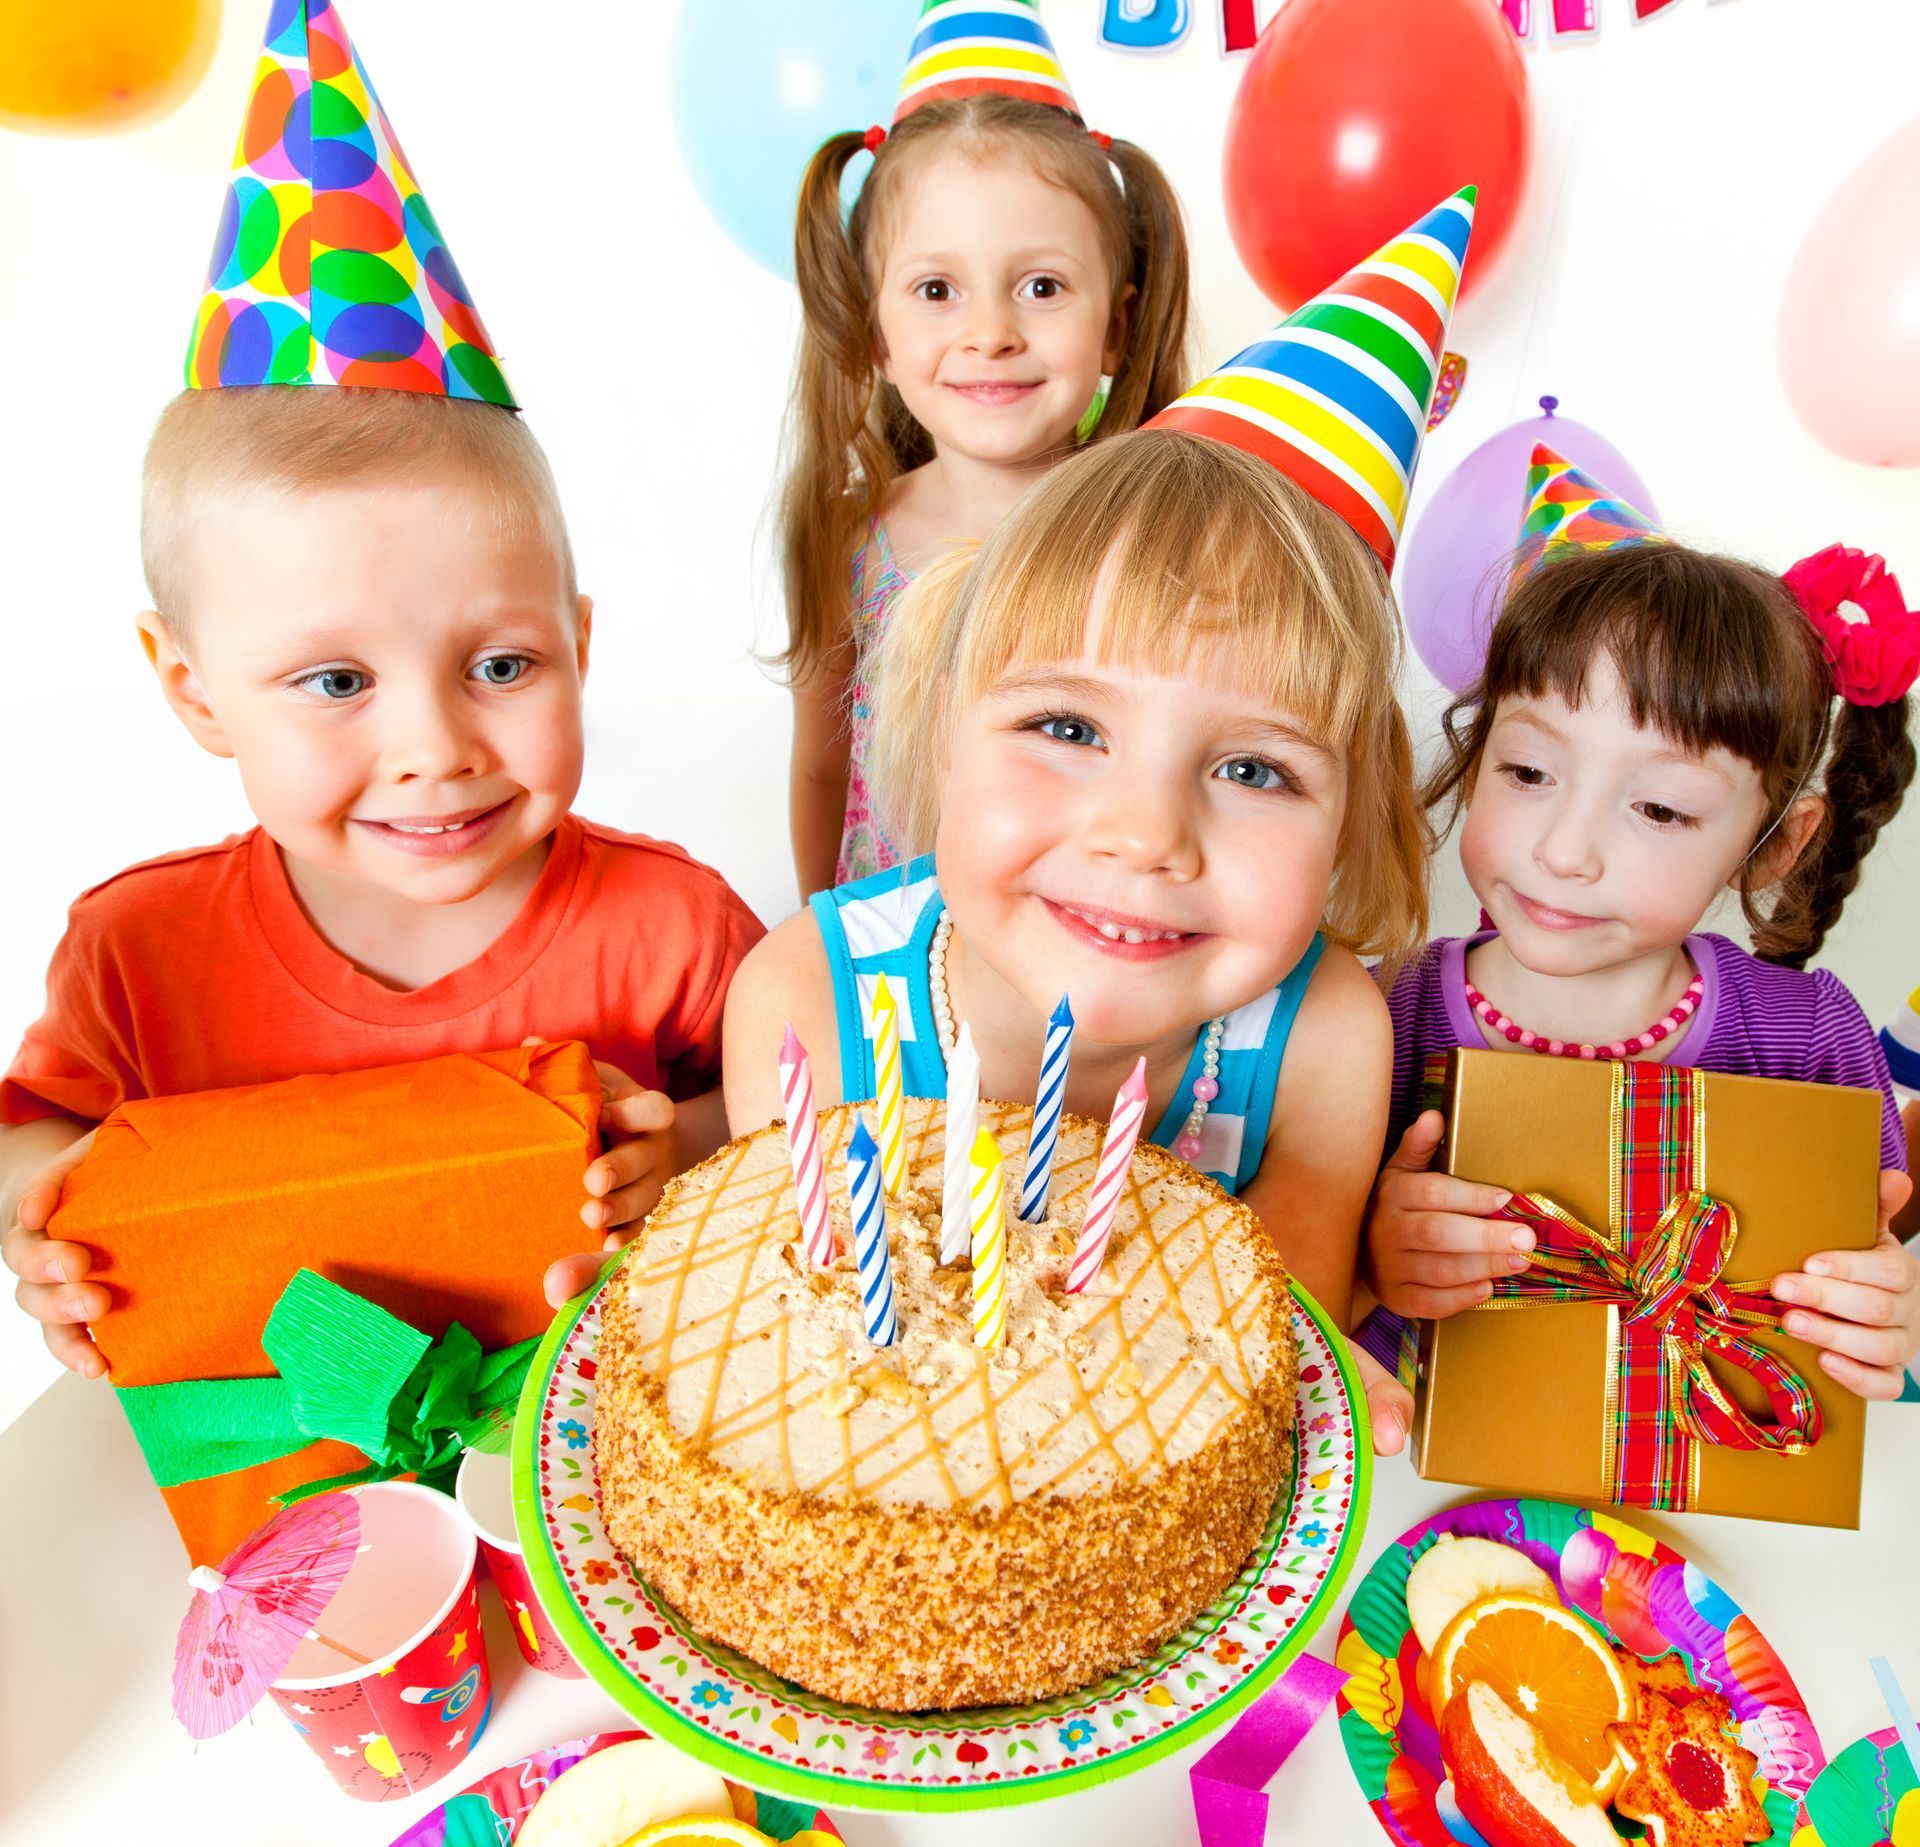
(1355,117)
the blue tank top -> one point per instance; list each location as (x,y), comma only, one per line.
(884,925)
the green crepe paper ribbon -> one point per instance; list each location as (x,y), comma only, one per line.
(348,1370)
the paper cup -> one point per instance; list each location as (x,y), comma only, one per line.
(484,1489)
(411,1605)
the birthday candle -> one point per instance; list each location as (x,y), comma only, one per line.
(989,1243)
(803,1143)
(963,1120)
(1046,1114)
(888,1096)
(870,1235)
(1103,1198)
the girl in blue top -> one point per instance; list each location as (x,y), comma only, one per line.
(1148,731)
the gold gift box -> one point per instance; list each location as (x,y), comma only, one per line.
(1512,1397)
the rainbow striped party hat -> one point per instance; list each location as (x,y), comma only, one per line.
(965,47)
(1568,509)
(1336,397)
(328,268)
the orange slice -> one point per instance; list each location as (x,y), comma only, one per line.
(699,1831)
(1549,1667)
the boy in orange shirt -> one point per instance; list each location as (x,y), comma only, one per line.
(364,595)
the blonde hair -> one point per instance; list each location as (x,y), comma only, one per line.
(297,439)
(1193,542)
(849,434)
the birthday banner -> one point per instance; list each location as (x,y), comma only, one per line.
(1159,25)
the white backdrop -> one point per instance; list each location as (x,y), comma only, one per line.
(1677,165)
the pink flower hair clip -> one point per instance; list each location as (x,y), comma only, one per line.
(1870,637)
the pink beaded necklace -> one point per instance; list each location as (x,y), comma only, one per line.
(1497,1022)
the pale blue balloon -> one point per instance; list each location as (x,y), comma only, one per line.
(758,84)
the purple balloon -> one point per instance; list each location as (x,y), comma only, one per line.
(1454,568)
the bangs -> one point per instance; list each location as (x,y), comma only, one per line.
(1203,560)
(1703,647)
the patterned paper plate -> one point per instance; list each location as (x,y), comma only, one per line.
(1869,1796)
(759,1729)
(1641,1595)
(491,1811)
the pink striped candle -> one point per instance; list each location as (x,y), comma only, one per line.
(803,1142)
(1103,1197)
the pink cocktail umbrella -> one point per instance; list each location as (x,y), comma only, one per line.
(248,1617)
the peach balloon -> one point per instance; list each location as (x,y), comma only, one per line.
(1850,318)
(88,67)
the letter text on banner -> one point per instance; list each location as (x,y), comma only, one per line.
(1145,25)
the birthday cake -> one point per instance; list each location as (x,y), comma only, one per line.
(933,1524)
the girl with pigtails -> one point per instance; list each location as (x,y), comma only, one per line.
(1007,285)
(1655,725)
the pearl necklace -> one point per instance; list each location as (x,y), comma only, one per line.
(1497,1022)
(1206,1086)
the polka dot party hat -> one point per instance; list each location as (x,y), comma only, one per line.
(328,268)
(964,47)
(1567,507)
(1336,397)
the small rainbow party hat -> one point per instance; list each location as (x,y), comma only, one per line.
(1336,397)
(964,47)
(1568,508)
(328,268)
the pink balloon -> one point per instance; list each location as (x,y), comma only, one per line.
(1454,564)
(1850,318)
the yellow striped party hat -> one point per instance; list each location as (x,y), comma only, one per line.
(1336,397)
(965,47)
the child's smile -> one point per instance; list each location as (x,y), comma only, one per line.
(1128,937)
(439,836)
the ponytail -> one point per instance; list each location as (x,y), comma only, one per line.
(1153,369)
(1868,772)
(838,468)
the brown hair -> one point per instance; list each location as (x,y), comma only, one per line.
(292,439)
(850,435)
(1709,651)
(1193,542)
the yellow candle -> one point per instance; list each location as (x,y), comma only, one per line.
(888,1095)
(989,1243)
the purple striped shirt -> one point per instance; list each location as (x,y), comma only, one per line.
(1755,1019)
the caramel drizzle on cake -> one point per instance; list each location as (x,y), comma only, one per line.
(709,1296)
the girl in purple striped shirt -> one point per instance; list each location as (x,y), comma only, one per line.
(1650,729)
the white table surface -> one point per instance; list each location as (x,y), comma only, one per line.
(92,1588)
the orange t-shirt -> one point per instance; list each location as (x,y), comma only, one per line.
(200,970)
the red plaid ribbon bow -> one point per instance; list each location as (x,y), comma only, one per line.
(1659,1269)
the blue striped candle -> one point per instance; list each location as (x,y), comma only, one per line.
(1046,1114)
(870,1235)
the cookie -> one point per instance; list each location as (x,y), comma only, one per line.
(1691,1784)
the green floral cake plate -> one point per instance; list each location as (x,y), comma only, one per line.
(759,1729)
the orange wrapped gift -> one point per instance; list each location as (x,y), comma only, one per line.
(439,1191)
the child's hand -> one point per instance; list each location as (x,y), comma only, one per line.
(1863,1307)
(1389,1404)
(52,1272)
(568,1277)
(1431,1249)
(625,1182)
